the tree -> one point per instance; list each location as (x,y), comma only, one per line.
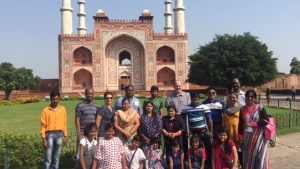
(232,56)
(12,78)
(295,66)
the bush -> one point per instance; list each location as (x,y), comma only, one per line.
(27,152)
(19,101)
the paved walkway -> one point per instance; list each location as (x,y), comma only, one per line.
(286,153)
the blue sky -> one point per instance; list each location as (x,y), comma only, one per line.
(29,29)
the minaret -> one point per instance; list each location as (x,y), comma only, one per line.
(179,23)
(66,17)
(168,17)
(81,17)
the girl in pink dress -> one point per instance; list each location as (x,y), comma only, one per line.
(109,151)
(224,153)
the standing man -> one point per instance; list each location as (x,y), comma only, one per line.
(236,86)
(178,98)
(158,104)
(53,131)
(134,102)
(293,90)
(216,106)
(85,113)
(199,122)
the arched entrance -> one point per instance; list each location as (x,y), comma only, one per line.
(165,55)
(125,54)
(82,79)
(165,77)
(82,56)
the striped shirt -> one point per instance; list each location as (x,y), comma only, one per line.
(87,113)
(217,107)
(197,116)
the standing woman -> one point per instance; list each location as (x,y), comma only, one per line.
(151,124)
(173,127)
(268,96)
(251,130)
(105,114)
(231,117)
(126,121)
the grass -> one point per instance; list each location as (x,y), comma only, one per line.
(25,118)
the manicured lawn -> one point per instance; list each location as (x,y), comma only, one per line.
(25,119)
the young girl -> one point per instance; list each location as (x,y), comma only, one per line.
(86,148)
(109,151)
(224,153)
(196,154)
(154,155)
(173,126)
(176,156)
(135,157)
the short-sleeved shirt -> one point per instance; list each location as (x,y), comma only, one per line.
(158,104)
(220,157)
(107,117)
(176,159)
(87,113)
(138,157)
(196,157)
(217,107)
(134,104)
(179,101)
(197,116)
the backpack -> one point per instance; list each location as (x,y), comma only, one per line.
(270,128)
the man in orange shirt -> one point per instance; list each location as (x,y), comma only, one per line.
(53,131)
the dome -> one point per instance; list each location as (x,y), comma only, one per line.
(100,12)
(146,12)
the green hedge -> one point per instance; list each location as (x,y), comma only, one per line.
(27,152)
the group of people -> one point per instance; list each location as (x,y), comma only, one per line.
(207,134)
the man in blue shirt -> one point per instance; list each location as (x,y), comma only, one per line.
(216,106)
(134,102)
(198,118)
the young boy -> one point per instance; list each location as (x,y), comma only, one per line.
(135,157)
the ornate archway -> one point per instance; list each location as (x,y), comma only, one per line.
(124,48)
(165,77)
(82,79)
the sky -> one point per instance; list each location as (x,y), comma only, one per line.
(29,29)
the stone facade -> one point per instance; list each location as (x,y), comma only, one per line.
(122,52)
(284,81)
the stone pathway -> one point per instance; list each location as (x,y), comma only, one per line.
(286,153)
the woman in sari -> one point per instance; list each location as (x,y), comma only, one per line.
(126,121)
(251,131)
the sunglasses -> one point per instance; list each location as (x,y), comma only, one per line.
(109,98)
(211,92)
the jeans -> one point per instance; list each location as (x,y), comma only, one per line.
(52,153)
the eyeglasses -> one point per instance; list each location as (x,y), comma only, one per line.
(130,90)
(108,98)
(211,92)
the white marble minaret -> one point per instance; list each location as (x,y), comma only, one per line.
(179,22)
(81,17)
(66,17)
(168,17)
